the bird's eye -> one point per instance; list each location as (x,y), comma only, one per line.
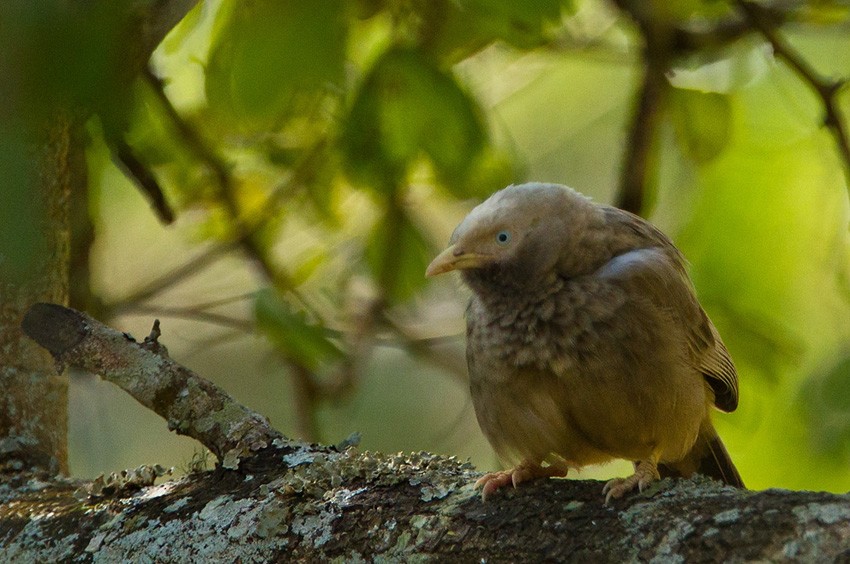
(503,237)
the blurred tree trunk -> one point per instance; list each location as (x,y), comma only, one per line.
(45,103)
(33,408)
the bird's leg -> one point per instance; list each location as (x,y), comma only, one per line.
(523,472)
(646,472)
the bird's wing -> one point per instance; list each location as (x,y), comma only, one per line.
(658,273)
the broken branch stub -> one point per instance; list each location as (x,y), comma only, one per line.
(192,405)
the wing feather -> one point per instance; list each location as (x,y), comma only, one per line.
(658,272)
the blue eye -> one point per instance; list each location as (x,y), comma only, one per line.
(503,237)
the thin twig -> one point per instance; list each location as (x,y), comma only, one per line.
(307,395)
(203,346)
(826,89)
(195,314)
(423,348)
(190,268)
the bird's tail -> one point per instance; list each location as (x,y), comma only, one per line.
(708,457)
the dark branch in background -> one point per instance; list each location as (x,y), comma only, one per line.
(309,388)
(81,296)
(726,32)
(827,89)
(192,405)
(720,35)
(154,20)
(307,394)
(661,44)
(639,163)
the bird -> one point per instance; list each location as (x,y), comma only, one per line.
(586,342)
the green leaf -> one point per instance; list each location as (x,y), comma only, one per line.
(703,122)
(825,401)
(291,333)
(406,107)
(491,169)
(266,54)
(469,25)
(397,256)
(155,140)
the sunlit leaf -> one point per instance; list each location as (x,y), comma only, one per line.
(149,131)
(188,25)
(406,107)
(155,139)
(266,53)
(292,334)
(824,13)
(723,70)
(308,264)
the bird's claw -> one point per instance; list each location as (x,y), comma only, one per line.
(646,472)
(492,481)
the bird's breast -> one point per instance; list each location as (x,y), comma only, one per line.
(586,367)
(546,330)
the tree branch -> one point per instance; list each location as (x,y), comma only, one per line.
(318,504)
(192,405)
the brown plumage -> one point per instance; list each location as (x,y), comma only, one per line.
(586,342)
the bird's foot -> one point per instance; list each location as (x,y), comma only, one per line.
(646,472)
(492,481)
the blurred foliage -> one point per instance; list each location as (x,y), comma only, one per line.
(296,338)
(317,155)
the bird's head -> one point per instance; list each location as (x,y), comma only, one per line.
(517,236)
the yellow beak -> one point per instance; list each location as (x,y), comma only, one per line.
(455,259)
